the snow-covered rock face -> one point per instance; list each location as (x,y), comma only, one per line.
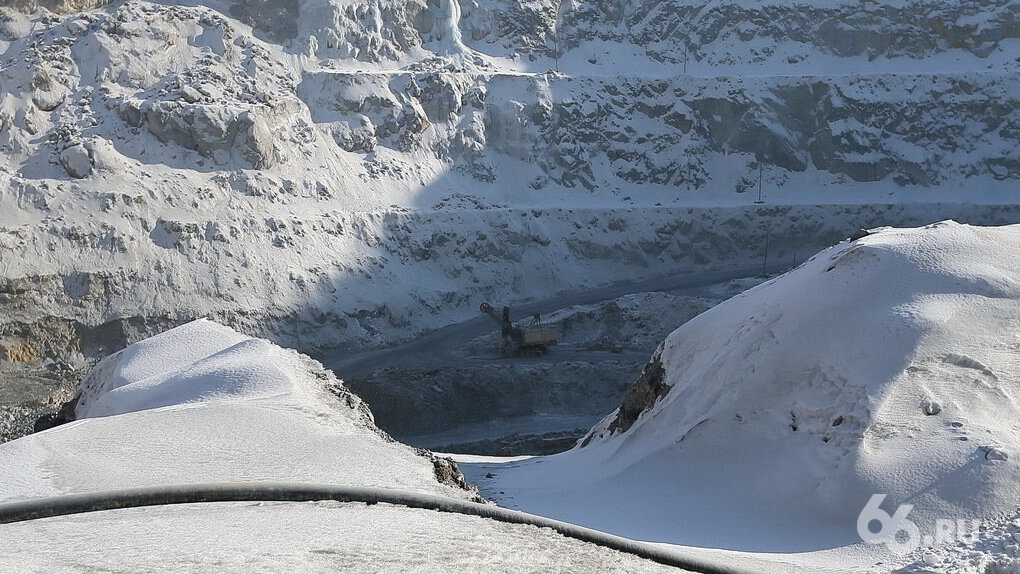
(887,365)
(360,169)
(768,32)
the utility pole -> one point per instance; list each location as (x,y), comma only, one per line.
(761,165)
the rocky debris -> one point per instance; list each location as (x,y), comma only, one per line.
(347,399)
(215,131)
(47,94)
(641,397)
(35,396)
(232,103)
(50,338)
(17,352)
(57,6)
(518,444)
(364,32)
(850,126)
(727,33)
(649,387)
(993,453)
(62,415)
(448,473)
(77,161)
(930,407)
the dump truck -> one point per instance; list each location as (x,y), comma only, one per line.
(532,339)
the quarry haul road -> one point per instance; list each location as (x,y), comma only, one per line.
(444,347)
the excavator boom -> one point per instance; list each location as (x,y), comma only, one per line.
(534,339)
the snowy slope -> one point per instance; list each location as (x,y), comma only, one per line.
(202,403)
(345,174)
(887,365)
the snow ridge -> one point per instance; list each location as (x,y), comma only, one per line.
(880,365)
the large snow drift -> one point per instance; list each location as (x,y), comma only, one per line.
(886,365)
(203,403)
(194,363)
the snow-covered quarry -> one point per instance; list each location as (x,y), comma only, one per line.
(755,439)
(193,194)
(334,175)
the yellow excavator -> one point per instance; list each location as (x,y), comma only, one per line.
(527,340)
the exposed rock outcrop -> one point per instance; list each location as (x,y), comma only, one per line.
(77,161)
(641,397)
(36,396)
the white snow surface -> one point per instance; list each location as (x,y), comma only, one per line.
(308,538)
(203,403)
(789,405)
(193,363)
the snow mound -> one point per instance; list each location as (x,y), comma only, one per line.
(204,403)
(194,363)
(886,365)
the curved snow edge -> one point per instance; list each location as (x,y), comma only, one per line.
(294,492)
